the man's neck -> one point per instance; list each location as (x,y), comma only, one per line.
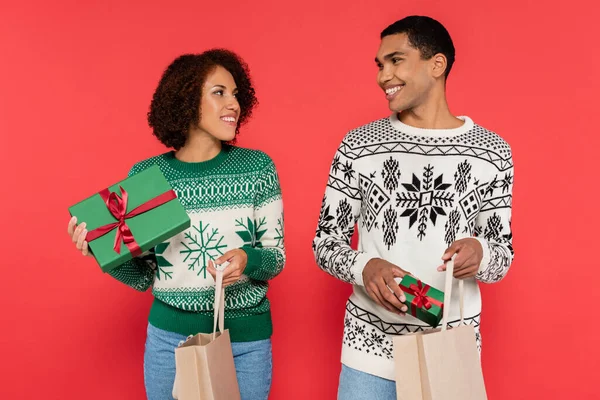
(433,114)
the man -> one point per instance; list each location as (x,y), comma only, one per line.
(424,186)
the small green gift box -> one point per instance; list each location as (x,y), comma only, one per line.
(131,217)
(423,301)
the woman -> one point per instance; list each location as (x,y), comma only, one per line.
(233,199)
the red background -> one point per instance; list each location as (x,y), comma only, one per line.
(76,80)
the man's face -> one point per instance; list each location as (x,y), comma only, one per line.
(404,76)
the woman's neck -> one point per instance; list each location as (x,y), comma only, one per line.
(200,146)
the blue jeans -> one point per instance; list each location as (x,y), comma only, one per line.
(357,385)
(253,365)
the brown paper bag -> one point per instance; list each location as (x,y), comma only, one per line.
(440,364)
(204,363)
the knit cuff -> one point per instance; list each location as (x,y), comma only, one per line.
(254,260)
(359,265)
(485,261)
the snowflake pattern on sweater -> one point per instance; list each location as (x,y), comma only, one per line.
(233,201)
(412,192)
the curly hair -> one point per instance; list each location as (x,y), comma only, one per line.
(175,104)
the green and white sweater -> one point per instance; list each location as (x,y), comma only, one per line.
(233,201)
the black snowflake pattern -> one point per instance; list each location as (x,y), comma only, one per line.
(335,258)
(342,261)
(390,227)
(345,168)
(391,174)
(358,337)
(376,338)
(501,250)
(360,329)
(452,227)
(322,260)
(508,238)
(499,263)
(344,214)
(425,200)
(336,164)
(364,337)
(502,184)
(374,201)
(331,245)
(462,176)
(493,228)
(325,225)
(363,331)
(347,322)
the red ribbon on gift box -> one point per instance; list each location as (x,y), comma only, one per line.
(421,300)
(118,208)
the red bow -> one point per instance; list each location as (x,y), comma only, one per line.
(118,208)
(420,300)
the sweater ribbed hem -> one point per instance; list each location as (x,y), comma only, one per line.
(243,329)
(368,364)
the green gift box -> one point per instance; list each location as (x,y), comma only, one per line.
(130,217)
(423,301)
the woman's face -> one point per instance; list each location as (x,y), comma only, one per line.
(219,108)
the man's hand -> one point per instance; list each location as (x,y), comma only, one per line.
(469,254)
(378,278)
(237,258)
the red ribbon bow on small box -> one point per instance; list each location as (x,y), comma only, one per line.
(420,300)
(118,208)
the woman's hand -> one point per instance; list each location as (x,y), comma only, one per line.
(78,234)
(237,258)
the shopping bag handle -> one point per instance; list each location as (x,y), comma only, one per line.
(219,305)
(448,295)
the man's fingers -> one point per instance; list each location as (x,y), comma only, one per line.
(393,285)
(390,297)
(464,260)
(450,251)
(380,296)
(455,248)
(466,272)
(400,273)
(376,297)
(459,260)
